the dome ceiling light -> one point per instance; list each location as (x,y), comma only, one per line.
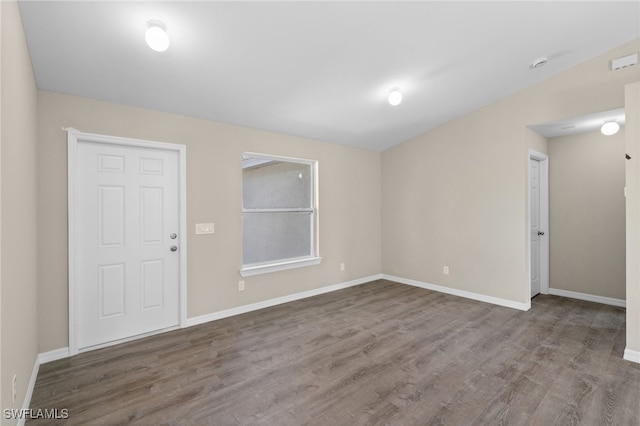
(610,128)
(395,97)
(156,36)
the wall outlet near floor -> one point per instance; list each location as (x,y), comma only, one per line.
(445,270)
(240,285)
(342,267)
(14,388)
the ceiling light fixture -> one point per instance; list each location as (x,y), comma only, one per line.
(610,128)
(156,36)
(395,97)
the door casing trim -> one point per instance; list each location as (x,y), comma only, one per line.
(75,137)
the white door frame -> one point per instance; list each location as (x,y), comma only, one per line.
(544,220)
(74,137)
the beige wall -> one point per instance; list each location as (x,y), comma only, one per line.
(536,141)
(587,214)
(456,195)
(19,205)
(632,173)
(349,208)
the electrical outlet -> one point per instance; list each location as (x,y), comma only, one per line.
(14,388)
(240,285)
(342,267)
(445,270)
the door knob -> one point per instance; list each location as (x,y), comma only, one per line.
(173,248)
(540,233)
(173,236)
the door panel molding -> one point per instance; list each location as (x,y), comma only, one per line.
(74,139)
(543,159)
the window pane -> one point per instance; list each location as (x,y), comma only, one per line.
(275,236)
(275,184)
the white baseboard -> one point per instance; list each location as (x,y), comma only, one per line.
(633,356)
(42,358)
(29,393)
(461,293)
(588,297)
(53,355)
(277,301)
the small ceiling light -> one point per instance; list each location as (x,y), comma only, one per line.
(610,128)
(395,97)
(156,36)
(540,62)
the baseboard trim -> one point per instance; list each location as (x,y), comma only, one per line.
(633,356)
(202,319)
(42,358)
(53,355)
(29,393)
(461,293)
(588,297)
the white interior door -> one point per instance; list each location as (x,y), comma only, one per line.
(536,232)
(127,254)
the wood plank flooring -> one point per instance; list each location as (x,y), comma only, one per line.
(378,353)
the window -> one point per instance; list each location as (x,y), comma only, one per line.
(279,214)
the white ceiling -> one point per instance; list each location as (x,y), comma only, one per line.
(317,69)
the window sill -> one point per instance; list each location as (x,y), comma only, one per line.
(250,270)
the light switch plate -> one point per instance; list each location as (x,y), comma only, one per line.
(205,228)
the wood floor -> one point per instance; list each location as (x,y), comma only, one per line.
(379,353)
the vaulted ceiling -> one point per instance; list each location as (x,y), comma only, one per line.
(321,70)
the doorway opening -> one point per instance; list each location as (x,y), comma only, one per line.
(585,229)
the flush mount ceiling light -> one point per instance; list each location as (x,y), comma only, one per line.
(395,97)
(156,36)
(610,128)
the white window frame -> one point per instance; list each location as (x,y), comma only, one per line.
(297,262)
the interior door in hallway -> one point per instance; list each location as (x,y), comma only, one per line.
(536,232)
(127,256)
